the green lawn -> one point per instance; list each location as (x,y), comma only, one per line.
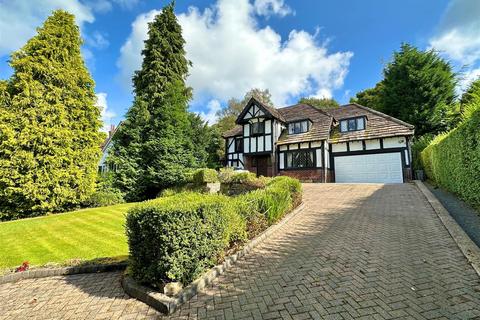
(84,234)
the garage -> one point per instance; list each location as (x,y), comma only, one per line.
(369,168)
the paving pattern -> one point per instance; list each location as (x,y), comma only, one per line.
(355,252)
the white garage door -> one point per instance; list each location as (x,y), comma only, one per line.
(371,168)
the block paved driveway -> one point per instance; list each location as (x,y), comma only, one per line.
(354,252)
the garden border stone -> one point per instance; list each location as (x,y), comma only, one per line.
(469,249)
(64,271)
(168,305)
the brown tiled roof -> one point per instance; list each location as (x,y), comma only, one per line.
(378,124)
(273,111)
(325,123)
(321,123)
(235,131)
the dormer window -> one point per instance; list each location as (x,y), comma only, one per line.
(298,127)
(257,128)
(352,124)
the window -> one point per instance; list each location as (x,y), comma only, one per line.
(239,145)
(353,124)
(298,127)
(300,159)
(257,128)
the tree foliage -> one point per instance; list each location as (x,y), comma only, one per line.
(321,103)
(49,137)
(154,145)
(207,141)
(370,97)
(418,87)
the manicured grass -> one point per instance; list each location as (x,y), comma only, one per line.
(84,234)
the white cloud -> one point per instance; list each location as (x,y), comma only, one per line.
(100,6)
(231,54)
(458,45)
(210,116)
(97,40)
(466,79)
(458,35)
(272,7)
(126,4)
(106,114)
(20,18)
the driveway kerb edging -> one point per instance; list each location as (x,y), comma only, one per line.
(65,271)
(469,249)
(168,305)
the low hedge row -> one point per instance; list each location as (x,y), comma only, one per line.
(178,237)
(452,160)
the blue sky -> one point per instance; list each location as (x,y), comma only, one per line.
(294,48)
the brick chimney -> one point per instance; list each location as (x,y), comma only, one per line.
(111,131)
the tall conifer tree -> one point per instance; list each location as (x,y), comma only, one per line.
(154,146)
(49,156)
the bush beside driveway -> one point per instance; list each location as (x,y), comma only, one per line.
(354,252)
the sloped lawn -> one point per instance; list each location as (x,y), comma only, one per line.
(84,234)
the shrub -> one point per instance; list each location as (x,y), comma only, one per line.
(105,197)
(452,160)
(105,194)
(225,175)
(202,176)
(280,196)
(417,147)
(176,238)
(235,182)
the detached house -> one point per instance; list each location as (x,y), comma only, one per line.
(351,143)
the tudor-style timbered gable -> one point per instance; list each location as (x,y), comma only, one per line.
(258,128)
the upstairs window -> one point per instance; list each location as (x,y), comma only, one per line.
(298,127)
(257,128)
(238,145)
(354,124)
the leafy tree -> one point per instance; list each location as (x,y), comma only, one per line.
(419,88)
(50,128)
(207,141)
(154,145)
(370,97)
(321,103)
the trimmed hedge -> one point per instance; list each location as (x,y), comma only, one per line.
(202,176)
(452,160)
(240,182)
(176,238)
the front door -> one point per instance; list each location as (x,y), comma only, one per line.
(262,165)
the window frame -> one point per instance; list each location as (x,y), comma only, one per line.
(291,154)
(299,123)
(348,122)
(238,145)
(262,126)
